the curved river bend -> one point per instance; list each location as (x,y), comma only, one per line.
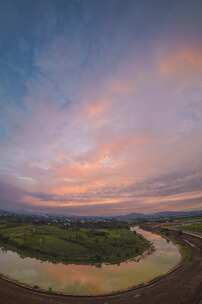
(91,280)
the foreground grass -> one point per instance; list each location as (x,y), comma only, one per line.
(193,227)
(71,245)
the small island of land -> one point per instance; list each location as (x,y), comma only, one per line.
(76,245)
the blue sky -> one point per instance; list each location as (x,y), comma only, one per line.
(100,106)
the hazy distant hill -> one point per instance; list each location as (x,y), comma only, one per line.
(163,214)
(127,217)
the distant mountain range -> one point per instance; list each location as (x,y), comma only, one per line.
(127,217)
(159,215)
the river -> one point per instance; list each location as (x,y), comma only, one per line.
(91,280)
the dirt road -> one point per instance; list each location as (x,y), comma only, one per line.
(183,286)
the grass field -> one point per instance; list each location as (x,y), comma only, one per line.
(192,227)
(71,245)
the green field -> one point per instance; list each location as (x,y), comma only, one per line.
(72,245)
(192,227)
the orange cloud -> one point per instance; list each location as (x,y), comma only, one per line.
(182,59)
(76,202)
(106,159)
(96,108)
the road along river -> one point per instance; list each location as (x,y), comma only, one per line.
(91,280)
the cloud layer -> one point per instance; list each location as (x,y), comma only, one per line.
(107,117)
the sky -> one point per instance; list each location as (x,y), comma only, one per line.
(100,106)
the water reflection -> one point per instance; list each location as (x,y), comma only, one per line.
(90,280)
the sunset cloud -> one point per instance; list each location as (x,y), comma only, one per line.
(183,60)
(106,117)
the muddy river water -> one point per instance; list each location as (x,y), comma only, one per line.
(91,280)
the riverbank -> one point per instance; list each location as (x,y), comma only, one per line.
(72,245)
(105,280)
(171,289)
